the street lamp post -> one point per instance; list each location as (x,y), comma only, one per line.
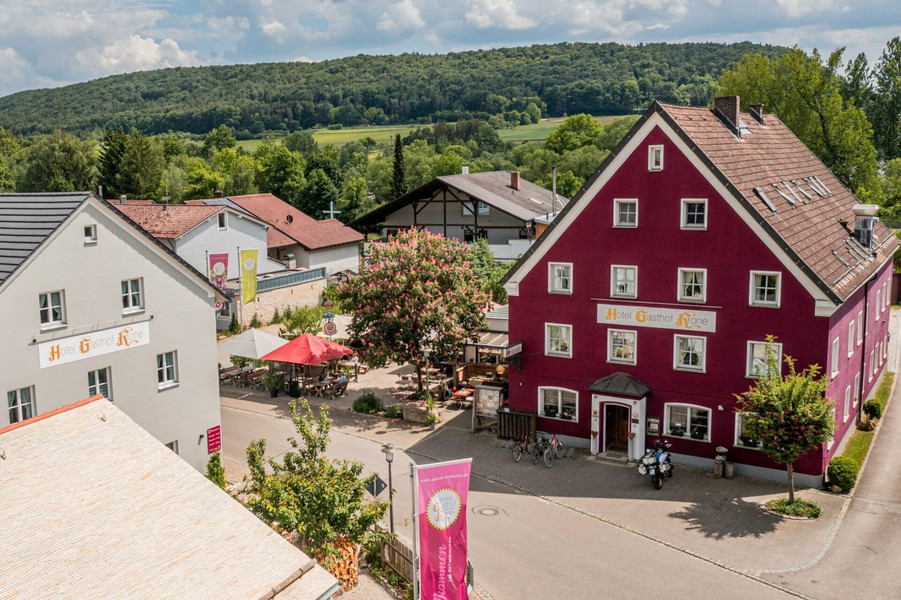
(388,449)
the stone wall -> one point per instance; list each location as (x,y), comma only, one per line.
(265,304)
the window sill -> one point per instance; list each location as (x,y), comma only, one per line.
(90,242)
(764,305)
(687,369)
(621,361)
(558,355)
(557,418)
(694,227)
(53,327)
(741,446)
(624,226)
(166,386)
(693,300)
(561,292)
(623,297)
(127,312)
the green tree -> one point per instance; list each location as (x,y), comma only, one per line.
(112,151)
(7,183)
(887,102)
(301,142)
(891,188)
(568,184)
(142,166)
(281,173)
(202,182)
(323,500)
(575,131)
(417,290)
(614,131)
(488,270)
(218,139)
(399,184)
(788,414)
(214,470)
(303,319)
(449,163)
(353,202)
(59,163)
(319,194)
(803,91)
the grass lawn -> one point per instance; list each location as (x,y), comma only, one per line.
(860,441)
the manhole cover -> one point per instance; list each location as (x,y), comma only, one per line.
(487,511)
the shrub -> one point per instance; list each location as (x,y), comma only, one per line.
(394,411)
(872,409)
(842,472)
(255,321)
(214,470)
(234,328)
(368,402)
(276,317)
(798,508)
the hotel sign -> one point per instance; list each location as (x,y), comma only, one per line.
(660,318)
(95,343)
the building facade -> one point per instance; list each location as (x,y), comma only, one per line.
(647,305)
(92,304)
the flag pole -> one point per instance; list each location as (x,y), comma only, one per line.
(240,291)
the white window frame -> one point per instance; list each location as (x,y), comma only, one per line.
(614,281)
(680,292)
(222,220)
(568,340)
(52,323)
(128,296)
(859,327)
(554,280)
(167,370)
(850,338)
(739,418)
(846,406)
(831,442)
(15,404)
(543,392)
(753,287)
(98,385)
(90,234)
(677,353)
(481,207)
(749,362)
(628,360)
(667,414)
(617,204)
(856,389)
(836,344)
(872,365)
(655,157)
(684,216)
(878,302)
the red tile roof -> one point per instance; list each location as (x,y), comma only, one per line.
(167,221)
(818,230)
(293,226)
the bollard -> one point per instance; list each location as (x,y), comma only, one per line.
(729,471)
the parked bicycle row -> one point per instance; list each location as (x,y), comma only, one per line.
(542,447)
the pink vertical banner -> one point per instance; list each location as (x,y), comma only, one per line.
(219,270)
(442,493)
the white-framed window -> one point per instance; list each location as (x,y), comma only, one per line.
(831,442)
(850,338)
(558,339)
(856,389)
(692,285)
(757,352)
(742,437)
(90,234)
(223,220)
(765,288)
(99,383)
(689,352)
(885,294)
(621,346)
(132,295)
(558,403)
(878,301)
(688,420)
(655,158)
(166,370)
(560,278)
(694,213)
(623,281)
(859,327)
(467,209)
(835,345)
(625,212)
(847,404)
(52,308)
(872,366)
(20,404)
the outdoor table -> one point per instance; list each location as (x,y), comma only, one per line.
(319,387)
(463,395)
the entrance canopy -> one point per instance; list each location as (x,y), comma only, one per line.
(621,384)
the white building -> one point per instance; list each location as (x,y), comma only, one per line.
(92,304)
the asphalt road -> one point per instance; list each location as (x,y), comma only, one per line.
(523,546)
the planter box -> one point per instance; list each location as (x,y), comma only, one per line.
(416,412)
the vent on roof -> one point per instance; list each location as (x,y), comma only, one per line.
(800,189)
(760,194)
(813,185)
(822,185)
(784,195)
(864,220)
(793,193)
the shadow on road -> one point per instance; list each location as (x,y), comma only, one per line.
(735,519)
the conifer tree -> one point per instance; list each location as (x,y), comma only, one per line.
(400,185)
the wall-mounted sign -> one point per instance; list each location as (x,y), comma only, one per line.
(213,439)
(513,350)
(683,319)
(94,343)
(653,426)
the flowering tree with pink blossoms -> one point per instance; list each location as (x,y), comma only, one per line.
(417,292)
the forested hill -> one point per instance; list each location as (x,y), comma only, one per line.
(559,79)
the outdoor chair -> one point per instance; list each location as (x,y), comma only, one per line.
(338,389)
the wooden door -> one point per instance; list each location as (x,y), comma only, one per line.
(616,428)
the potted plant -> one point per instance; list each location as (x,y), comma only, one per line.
(550,411)
(677,429)
(273,381)
(566,414)
(432,418)
(748,441)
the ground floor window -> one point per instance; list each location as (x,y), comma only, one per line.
(558,403)
(685,419)
(742,437)
(21,404)
(99,383)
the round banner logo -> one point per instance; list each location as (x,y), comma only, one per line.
(218,304)
(249,263)
(330,328)
(443,508)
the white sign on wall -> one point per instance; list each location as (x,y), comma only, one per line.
(95,343)
(661,318)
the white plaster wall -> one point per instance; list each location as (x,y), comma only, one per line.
(179,311)
(336,258)
(241,233)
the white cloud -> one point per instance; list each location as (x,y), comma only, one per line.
(135,53)
(504,14)
(400,16)
(800,8)
(274,29)
(12,66)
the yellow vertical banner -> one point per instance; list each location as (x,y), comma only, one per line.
(248,276)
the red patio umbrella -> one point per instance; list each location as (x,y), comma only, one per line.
(307,349)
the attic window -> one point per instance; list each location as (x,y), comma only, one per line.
(90,234)
(655,158)
(760,194)
(223,223)
(784,195)
(289,219)
(743,128)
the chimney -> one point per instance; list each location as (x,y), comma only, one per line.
(864,220)
(514,180)
(757,112)
(727,109)
(465,169)
(218,194)
(122,199)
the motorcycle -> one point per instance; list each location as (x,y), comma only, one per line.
(657,464)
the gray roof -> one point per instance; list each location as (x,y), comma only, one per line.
(94,507)
(26,220)
(621,384)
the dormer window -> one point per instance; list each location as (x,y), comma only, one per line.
(655,158)
(223,222)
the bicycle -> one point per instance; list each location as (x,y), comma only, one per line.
(559,447)
(522,447)
(542,450)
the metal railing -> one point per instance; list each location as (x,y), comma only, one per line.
(293,278)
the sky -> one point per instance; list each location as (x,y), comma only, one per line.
(50,43)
